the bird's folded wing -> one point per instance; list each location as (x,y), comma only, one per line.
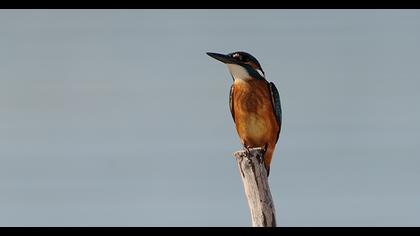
(275,97)
(231,102)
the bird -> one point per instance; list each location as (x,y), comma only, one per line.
(254,103)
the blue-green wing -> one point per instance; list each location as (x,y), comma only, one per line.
(231,102)
(275,97)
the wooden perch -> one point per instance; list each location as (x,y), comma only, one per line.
(254,178)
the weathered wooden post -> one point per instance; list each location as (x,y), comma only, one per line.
(257,190)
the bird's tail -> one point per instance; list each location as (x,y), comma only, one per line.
(267,159)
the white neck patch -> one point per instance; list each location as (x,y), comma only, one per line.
(260,72)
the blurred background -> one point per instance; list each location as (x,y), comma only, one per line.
(119,118)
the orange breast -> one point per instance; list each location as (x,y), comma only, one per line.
(255,120)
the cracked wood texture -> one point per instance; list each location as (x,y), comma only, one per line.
(257,190)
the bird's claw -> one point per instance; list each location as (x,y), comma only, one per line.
(247,151)
(265,148)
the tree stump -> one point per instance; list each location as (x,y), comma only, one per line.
(255,180)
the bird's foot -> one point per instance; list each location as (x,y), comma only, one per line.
(265,148)
(247,151)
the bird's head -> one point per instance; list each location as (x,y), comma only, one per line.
(241,65)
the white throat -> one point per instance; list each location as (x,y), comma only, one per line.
(239,72)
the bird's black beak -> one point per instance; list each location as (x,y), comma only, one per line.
(223,58)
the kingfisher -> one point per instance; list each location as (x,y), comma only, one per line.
(254,103)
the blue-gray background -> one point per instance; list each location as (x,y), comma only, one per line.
(119,118)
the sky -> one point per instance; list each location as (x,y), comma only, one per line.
(119,118)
